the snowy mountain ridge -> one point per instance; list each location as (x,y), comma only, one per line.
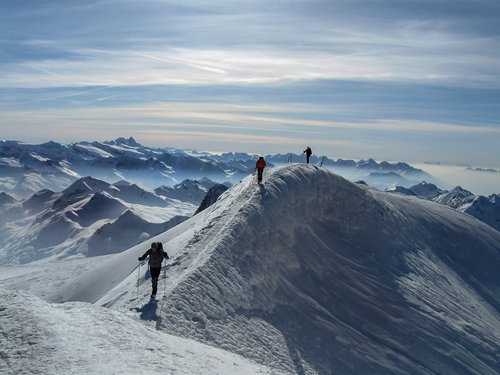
(56,166)
(192,191)
(26,168)
(311,274)
(486,209)
(90,217)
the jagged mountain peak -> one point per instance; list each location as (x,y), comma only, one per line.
(51,145)
(486,209)
(86,184)
(455,197)
(39,200)
(426,189)
(127,141)
(122,183)
(401,190)
(6,198)
(130,216)
(100,206)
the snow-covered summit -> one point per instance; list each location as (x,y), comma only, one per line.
(133,193)
(83,187)
(486,209)
(100,206)
(310,273)
(426,189)
(455,198)
(6,199)
(86,185)
(127,141)
(39,200)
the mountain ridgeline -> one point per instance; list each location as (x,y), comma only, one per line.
(311,273)
(91,217)
(486,209)
(26,168)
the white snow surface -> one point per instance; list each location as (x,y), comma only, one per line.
(79,338)
(93,150)
(306,274)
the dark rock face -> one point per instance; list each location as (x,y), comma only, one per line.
(211,197)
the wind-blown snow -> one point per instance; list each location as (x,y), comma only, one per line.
(78,338)
(93,150)
(310,273)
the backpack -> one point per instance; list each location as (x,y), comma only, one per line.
(261,164)
(160,247)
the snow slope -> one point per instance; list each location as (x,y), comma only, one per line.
(78,338)
(127,229)
(311,274)
(6,199)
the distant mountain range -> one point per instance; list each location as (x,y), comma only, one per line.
(27,168)
(486,209)
(95,198)
(92,217)
(192,191)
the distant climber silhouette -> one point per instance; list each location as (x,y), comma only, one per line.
(308,153)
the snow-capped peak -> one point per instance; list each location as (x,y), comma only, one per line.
(455,197)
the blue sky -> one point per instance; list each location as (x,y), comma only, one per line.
(401,80)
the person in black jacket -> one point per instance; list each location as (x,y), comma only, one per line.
(156,255)
(308,153)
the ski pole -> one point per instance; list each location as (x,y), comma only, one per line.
(165,278)
(138,278)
